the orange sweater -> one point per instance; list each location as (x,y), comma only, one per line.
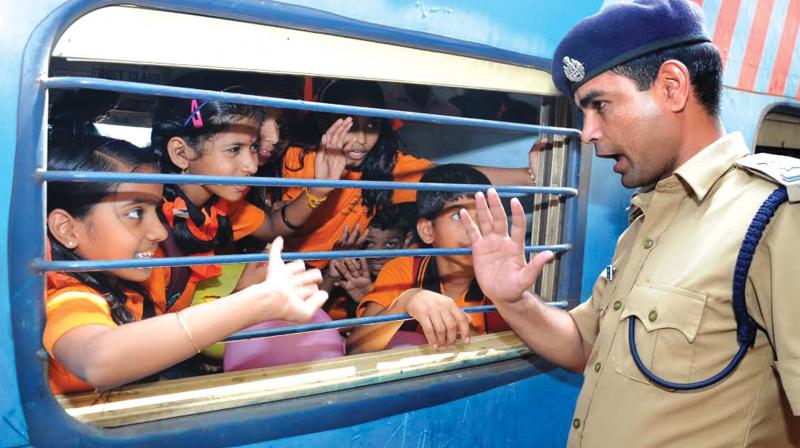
(70,304)
(343,206)
(404,273)
(245,219)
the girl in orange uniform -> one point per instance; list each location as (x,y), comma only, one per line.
(99,323)
(372,150)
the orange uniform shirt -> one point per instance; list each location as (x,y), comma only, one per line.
(343,206)
(404,273)
(70,304)
(245,219)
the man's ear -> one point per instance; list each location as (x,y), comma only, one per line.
(180,153)
(63,227)
(425,230)
(674,84)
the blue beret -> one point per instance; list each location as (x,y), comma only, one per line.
(622,32)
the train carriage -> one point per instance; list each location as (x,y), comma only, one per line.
(491,392)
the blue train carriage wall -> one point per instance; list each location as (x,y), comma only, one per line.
(496,396)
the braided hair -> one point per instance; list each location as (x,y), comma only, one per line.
(195,121)
(93,153)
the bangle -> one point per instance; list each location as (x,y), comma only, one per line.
(286,220)
(312,200)
(187,330)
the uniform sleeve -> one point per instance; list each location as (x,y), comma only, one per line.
(245,217)
(394,279)
(297,164)
(408,169)
(73,307)
(775,279)
(587,314)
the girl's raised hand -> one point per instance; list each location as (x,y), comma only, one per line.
(291,291)
(330,161)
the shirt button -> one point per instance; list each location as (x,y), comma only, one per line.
(647,244)
(576,423)
(617,305)
(597,367)
(653,316)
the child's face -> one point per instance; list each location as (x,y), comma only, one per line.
(378,239)
(360,140)
(270,135)
(124,225)
(446,230)
(229,153)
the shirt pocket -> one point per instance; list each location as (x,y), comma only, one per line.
(667,323)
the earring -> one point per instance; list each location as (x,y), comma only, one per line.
(70,244)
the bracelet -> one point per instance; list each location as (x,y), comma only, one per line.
(187,331)
(312,200)
(286,220)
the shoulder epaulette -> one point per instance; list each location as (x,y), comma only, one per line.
(782,170)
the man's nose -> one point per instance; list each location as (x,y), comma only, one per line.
(591,131)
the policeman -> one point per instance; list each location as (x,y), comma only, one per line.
(670,356)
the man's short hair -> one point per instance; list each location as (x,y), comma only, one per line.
(431,203)
(702,60)
(624,32)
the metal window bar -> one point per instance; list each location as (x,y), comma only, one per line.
(68,82)
(344,323)
(43,175)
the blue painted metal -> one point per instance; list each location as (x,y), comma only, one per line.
(94,176)
(533,411)
(47,423)
(94,265)
(358,321)
(525,413)
(531,28)
(183,92)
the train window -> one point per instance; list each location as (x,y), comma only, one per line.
(452,85)
(779,132)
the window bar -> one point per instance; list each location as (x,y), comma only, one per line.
(96,265)
(358,321)
(96,176)
(68,82)
(148,89)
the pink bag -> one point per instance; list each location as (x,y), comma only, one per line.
(406,339)
(288,349)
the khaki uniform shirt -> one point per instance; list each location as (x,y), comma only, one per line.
(674,272)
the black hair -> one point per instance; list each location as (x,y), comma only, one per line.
(702,60)
(431,203)
(74,112)
(401,217)
(381,160)
(195,121)
(277,87)
(182,117)
(93,153)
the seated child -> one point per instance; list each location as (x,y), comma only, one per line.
(104,329)
(348,280)
(431,289)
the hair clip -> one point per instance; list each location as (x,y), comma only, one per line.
(194,115)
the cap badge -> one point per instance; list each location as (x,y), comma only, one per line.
(573,69)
